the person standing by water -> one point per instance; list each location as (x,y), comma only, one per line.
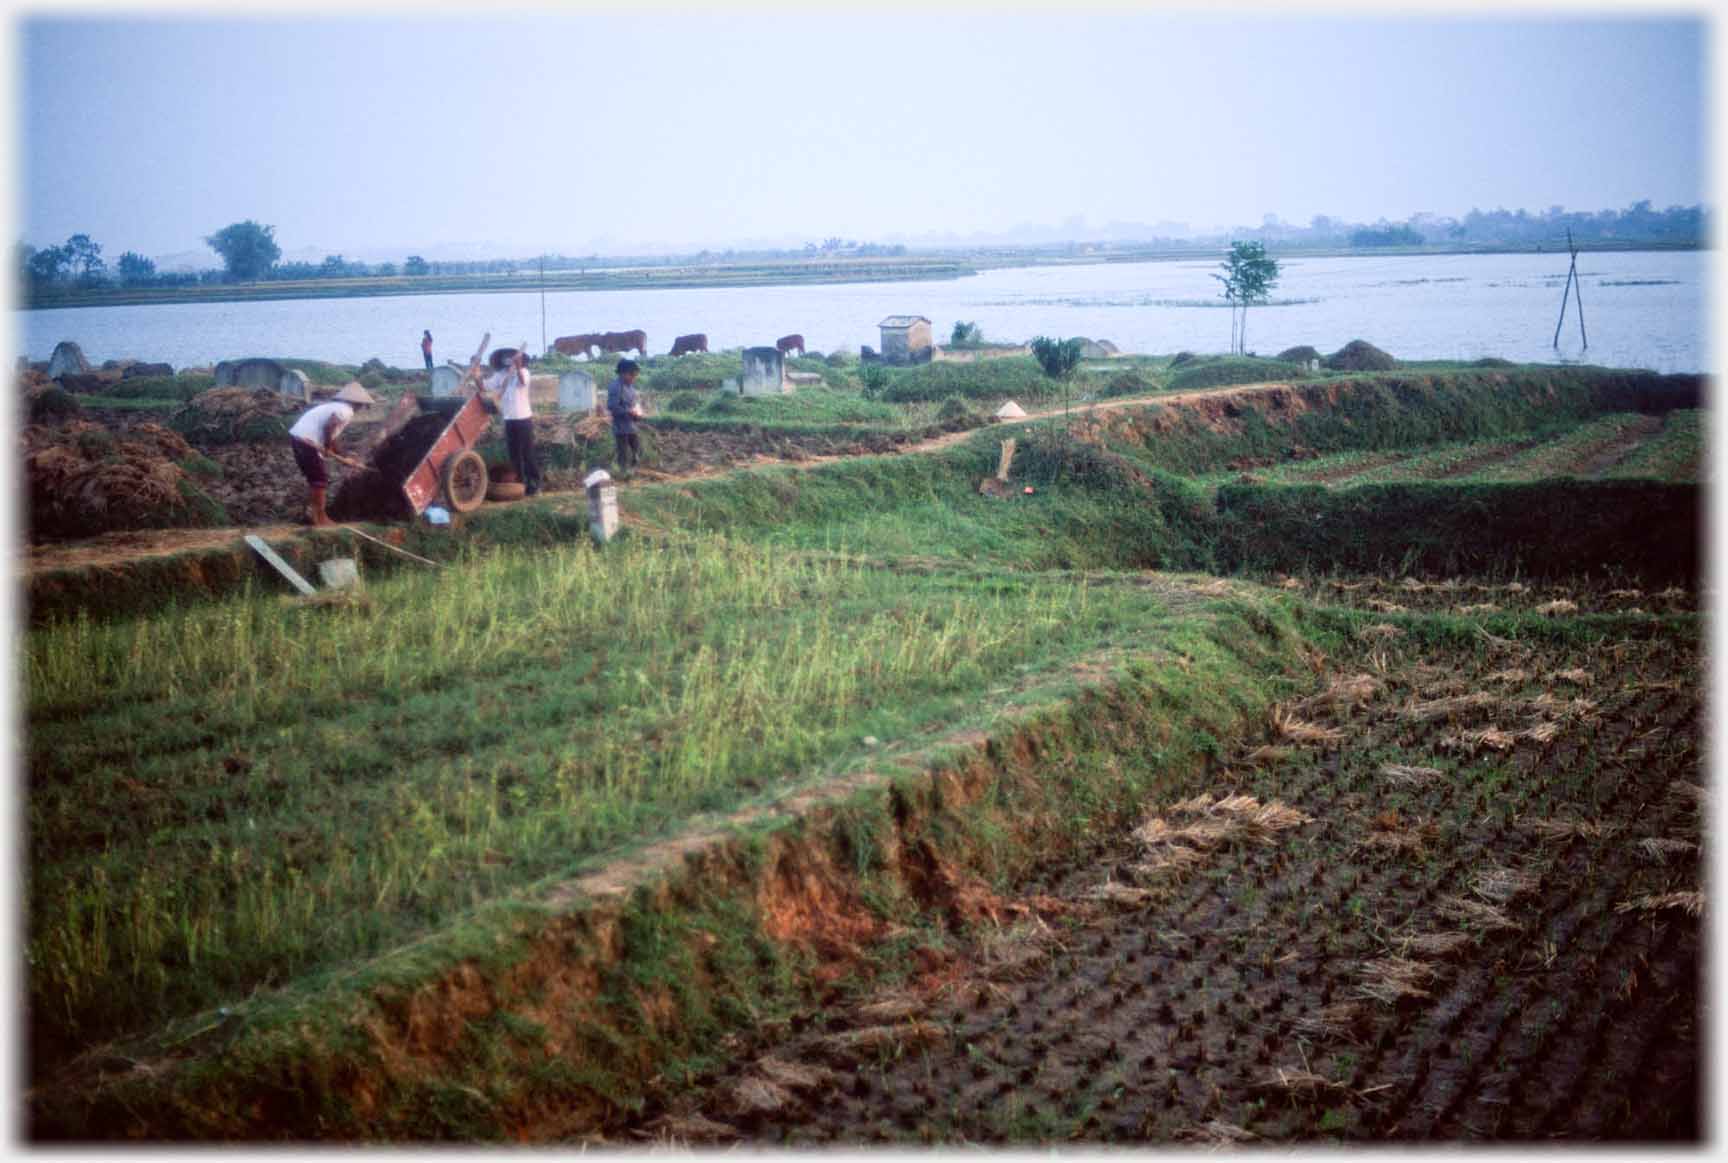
(511,384)
(626,409)
(426,348)
(314,436)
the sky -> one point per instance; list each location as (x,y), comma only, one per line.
(617,131)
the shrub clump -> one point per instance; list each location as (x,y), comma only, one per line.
(1181,358)
(1360,356)
(233,416)
(1301,353)
(1235,369)
(51,404)
(1492,361)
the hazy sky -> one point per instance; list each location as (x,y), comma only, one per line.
(606,129)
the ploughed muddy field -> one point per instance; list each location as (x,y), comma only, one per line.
(1452,895)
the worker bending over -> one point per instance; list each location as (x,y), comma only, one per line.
(313,436)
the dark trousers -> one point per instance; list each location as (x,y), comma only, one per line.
(519,437)
(428,356)
(629,450)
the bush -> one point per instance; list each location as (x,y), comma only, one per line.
(181,387)
(1360,356)
(1300,354)
(955,411)
(1129,382)
(1235,369)
(319,372)
(54,404)
(370,380)
(1057,357)
(841,358)
(874,377)
(724,404)
(684,402)
(698,370)
(1181,358)
(1492,361)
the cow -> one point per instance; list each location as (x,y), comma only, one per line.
(582,345)
(615,341)
(787,342)
(686,344)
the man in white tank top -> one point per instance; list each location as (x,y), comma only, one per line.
(314,435)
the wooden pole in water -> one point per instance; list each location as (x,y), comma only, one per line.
(1564,296)
(1578,293)
(543,305)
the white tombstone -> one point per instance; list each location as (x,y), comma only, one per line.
(764,372)
(1010,411)
(576,392)
(445,381)
(602,505)
(295,385)
(68,359)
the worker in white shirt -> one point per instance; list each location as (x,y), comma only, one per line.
(313,437)
(510,385)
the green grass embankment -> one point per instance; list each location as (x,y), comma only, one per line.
(365,803)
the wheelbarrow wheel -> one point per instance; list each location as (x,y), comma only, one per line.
(465,481)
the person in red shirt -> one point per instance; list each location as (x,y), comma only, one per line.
(426,348)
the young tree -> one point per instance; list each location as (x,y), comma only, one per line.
(416,266)
(1248,278)
(50,264)
(964,334)
(135,269)
(85,255)
(248,250)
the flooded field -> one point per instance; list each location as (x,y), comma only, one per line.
(1642,309)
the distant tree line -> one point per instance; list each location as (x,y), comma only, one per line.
(1638,223)
(249,251)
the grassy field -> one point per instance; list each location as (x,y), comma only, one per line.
(248,804)
(236,795)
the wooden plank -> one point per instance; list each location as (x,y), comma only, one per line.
(280,566)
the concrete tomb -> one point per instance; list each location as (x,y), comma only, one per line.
(764,372)
(68,357)
(576,392)
(444,381)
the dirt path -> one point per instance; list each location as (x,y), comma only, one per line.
(1622,446)
(118,548)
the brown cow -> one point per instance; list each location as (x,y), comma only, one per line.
(787,342)
(686,344)
(613,341)
(576,345)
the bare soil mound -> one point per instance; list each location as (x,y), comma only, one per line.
(376,494)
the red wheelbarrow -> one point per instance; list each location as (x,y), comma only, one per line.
(451,467)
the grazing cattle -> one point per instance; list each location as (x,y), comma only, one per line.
(582,345)
(787,343)
(685,344)
(616,341)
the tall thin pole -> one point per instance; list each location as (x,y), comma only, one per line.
(1579,292)
(542,304)
(1564,296)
